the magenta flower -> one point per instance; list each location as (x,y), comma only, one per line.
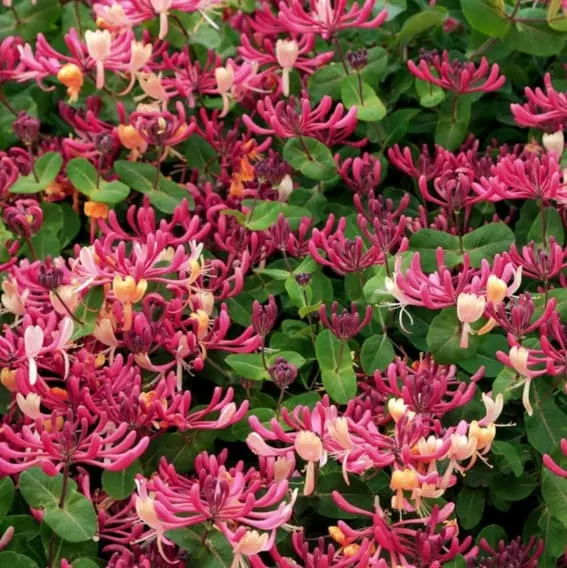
(326,17)
(362,175)
(347,324)
(546,110)
(539,264)
(292,118)
(457,76)
(426,166)
(74,438)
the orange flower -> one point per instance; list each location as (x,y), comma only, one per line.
(72,77)
(96,210)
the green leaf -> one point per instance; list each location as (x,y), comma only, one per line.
(430,95)
(369,107)
(443,338)
(548,424)
(40,490)
(554,492)
(16,560)
(421,22)
(7,493)
(555,16)
(493,534)
(212,552)
(470,507)
(111,192)
(83,176)
(247,365)
(376,354)
(356,492)
(453,123)
(486,355)
(120,484)
(84,563)
(40,18)
(554,227)
(311,157)
(340,385)
(263,216)
(487,241)
(87,312)
(75,522)
(532,36)
(510,455)
(138,175)
(487,16)
(427,241)
(334,358)
(47,167)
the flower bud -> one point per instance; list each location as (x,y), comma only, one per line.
(225,78)
(127,291)
(26,128)
(358,59)
(283,373)
(285,188)
(96,210)
(50,277)
(308,446)
(404,480)
(303,279)
(130,138)
(8,379)
(554,142)
(287,52)
(264,317)
(496,289)
(519,360)
(72,77)
(484,435)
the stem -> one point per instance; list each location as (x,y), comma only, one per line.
(16,15)
(98,170)
(263,355)
(156,180)
(32,160)
(31,247)
(454,108)
(279,403)
(67,309)
(543,223)
(360,90)
(483,48)
(386,265)
(305,148)
(341,54)
(61,505)
(78,17)
(340,356)
(5,102)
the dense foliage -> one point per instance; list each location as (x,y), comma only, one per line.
(283,283)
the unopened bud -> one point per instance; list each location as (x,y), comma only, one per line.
(282,373)
(26,128)
(554,142)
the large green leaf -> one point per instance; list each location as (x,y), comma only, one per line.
(355,92)
(212,551)
(421,22)
(311,157)
(7,493)
(76,521)
(376,354)
(120,484)
(487,16)
(40,490)
(470,507)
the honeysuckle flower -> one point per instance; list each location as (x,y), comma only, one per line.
(286,54)
(309,448)
(520,360)
(326,17)
(470,308)
(98,47)
(33,338)
(554,142)
(347,324)
(537,262)
(426,166)
(161,8)
(29,404)
(248,543)
(140,55)
(457,76)
(72,77)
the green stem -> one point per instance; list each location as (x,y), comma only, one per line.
(543,222)
(341,54)
(16,15)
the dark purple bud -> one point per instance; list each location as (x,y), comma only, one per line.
(105,144)
(358,59)
(50,277)
(282,373)
(26,128)
(264,317)
(346,324)
(24,218)
(303,279)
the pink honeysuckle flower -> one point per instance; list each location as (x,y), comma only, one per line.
(293,118)
(362,175)
(52,443)
(521,360)
(539,263)
(546,110)
(247,543)
(33,339)
(457,76)
(426,166)
(98,47)
(326,17)
(345,325)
